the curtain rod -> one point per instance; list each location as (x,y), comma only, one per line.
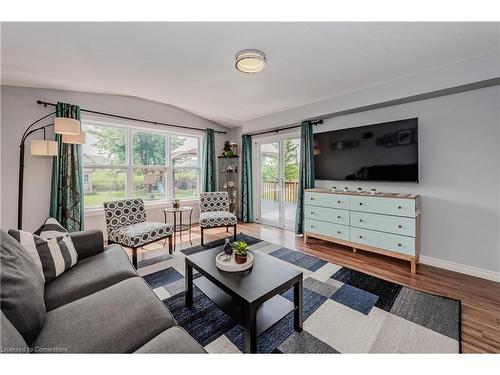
(45,104)
(276,130)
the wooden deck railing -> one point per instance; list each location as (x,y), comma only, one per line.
(270,190)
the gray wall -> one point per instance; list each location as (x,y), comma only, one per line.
(459,152)
(19,109)
(459,158)
(459,149)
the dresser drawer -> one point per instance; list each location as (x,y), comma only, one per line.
(387,241)
(327,229)
(384,223)
(387,206)
(327,200)
(331,215)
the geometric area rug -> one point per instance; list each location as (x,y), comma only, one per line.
(345,311)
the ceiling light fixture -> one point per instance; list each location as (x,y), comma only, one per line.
(250,61)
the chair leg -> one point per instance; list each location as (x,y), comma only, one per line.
(170,251)
(134,257)
(202,244)
(234,228)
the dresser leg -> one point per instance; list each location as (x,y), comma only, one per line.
(413,266)
(305,238)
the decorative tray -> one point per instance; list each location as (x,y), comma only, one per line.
(224,263)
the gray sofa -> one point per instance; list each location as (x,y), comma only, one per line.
(101,305)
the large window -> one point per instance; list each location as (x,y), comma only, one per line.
(121,162)
(185,163)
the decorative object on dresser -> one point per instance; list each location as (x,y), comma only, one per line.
(383,223)
(228,180)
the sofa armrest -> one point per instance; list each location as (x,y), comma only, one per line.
(88,242)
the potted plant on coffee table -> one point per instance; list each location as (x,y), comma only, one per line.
(240,251)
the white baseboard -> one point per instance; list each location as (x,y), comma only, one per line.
(461,268)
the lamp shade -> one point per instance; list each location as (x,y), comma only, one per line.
(41,147)
(65,125)
(79,139)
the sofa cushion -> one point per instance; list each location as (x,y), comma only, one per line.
(173,340)
(11,340)
(52,255)
(89,276)
(118,319)
(139,234)
(214,219)
(87,242)
(51,228)
(21,288)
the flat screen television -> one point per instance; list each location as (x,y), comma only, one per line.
(379,152)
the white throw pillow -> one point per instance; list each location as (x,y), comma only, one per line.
(53,251)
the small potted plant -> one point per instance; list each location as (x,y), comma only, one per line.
(176,203)
(227,152)
(240,251)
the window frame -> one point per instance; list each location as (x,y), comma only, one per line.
(172,168)
(129,166)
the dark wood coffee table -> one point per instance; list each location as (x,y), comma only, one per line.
(250,297)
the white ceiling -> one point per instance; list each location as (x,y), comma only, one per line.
(190,65)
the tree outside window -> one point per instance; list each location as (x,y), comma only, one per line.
(107,170)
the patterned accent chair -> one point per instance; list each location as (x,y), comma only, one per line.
(214,212)
(126,224)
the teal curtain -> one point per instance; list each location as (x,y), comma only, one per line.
(246,179)
(66,198)
(306,171)
(208,171)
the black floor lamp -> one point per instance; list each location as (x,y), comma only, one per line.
(71,133)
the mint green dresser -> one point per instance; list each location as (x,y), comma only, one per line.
(384,223)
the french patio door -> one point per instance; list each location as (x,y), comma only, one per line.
(277,167)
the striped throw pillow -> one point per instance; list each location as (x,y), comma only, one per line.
(53,250)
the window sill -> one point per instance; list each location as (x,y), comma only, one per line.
(148,205)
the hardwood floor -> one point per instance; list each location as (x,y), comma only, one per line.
(480,298)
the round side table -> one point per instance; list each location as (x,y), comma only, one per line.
(179,227)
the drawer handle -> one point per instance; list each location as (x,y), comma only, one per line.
(400,226)
(360,203)
(312,226)
(338,201)
(339,232)
(399,207)
(311,198)
(312,212)
(339,217)
(360,220)
(399,245)
(360,236)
